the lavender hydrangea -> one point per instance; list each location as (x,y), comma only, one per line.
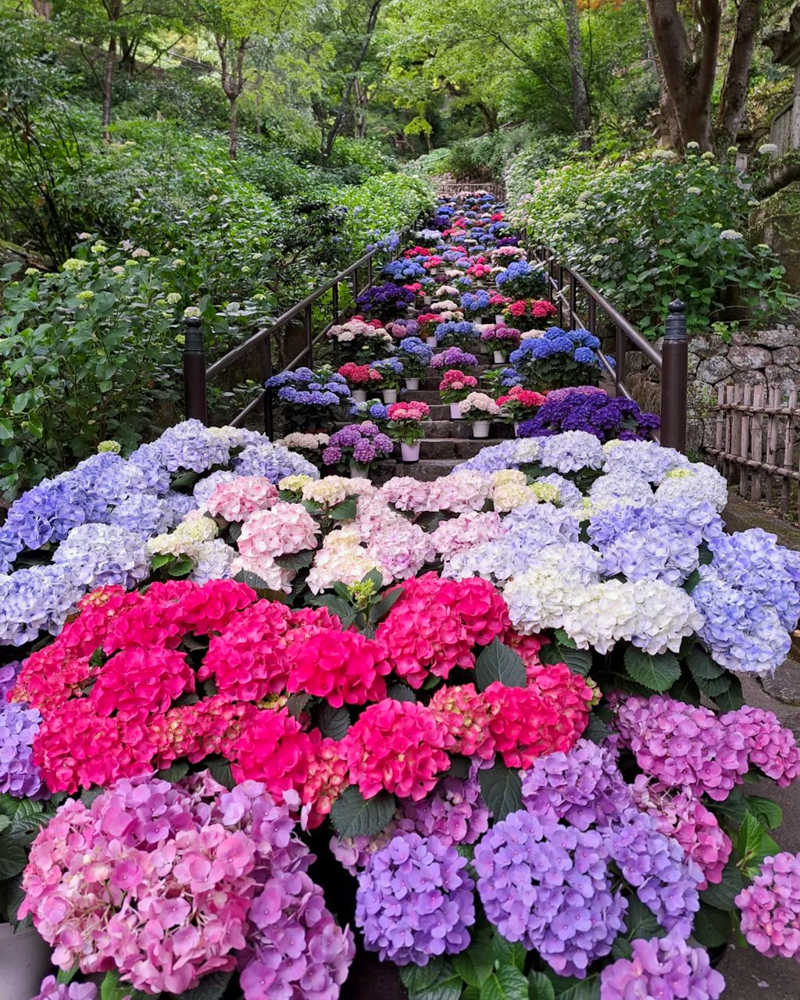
(362,442)
(144,515)
(571,452)
(415,900)
(600,415)
(273,461)
(453,812)
(97,555)
(51,989)
(549,887)
(667,968)
(37,600)
(644,458)
(19,724)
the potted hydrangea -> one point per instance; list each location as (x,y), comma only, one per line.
(479,409)
(415,357)
(558,358)
(406,426)
(454,387)
(427,326)
(475,303)
(463,335)
(519,405)
(310,399)
(390,371)
(525,311)
(360,340)
(357,446)
(453,357)
(360,378)
(501,339)
(385,302)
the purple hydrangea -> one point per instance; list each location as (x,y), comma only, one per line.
(667,968)
(365,442)
(385,301)
(549,887)
(294,946)
(274,462)
(19,724)
(453,812)
(145,515)
(415,900)
(600,415)
(453,357)
(460,335)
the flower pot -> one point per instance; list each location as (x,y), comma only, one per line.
(480,429)
(431,340)
(516,427)
(359,395)
(499,320)
(390,396)
(409,452)
(359,470)
(499,357)
(455,413)
(427,300)
(24,962)
(412,383)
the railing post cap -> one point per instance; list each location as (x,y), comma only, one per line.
(675,326)
(677,306)
(192,321)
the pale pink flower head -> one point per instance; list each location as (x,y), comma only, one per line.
(284,529)
(237,499)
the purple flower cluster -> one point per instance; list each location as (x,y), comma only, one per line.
(415,354)
(402,271)
(475,302)
(401,328)
(415,900)
(667,968)
(602,416)
(461,335)
(99,555)
(19,776)
(295,949)
(36,600)
(385,301)
(771,908)
(51,989)
(453,357)
(454,812)
(549,887)
(363,443)
(273,461)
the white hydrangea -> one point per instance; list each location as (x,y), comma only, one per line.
(699,482)
(541,597)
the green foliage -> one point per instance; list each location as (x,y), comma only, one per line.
(384,203)
(653,228)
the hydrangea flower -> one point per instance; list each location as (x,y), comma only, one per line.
(770,908)
(667,968)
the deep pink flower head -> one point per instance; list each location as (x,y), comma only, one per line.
(396,745)
(273,749)
(771,908)
(342,667)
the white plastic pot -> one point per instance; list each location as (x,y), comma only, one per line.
(359,471)
(455,413)
(516,427)
(24,962)
(480,429)
(499,320)
(412,383)
(431,340)
(409,452)
(499,357)
(390,396)
(359,395)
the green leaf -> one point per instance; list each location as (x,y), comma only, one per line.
(589,989)
(380,609)
(579,661)
(734,808)
(334,722)
(767,812)
(640,921)
(621,948)
(66,976)
(180,567)
(459,767)
(343,610)
(721,895)
(401,692)
(251,579)
(501,788)
(658,673)
(499,663)
(476,963)
(712,927)
(220,770)
(540,987)
(112,989)
(344,511)
(174,773)
(691,581)
(296,703)
(751,833)
(732,698)
(507,983)
(508,952)
(418,978)
(297,560)
(596,730)
(355,816)
(702,667)
(13,857)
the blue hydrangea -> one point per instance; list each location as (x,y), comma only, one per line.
(98,555)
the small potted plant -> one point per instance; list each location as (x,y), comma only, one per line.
(558,358)
(361,341)
(356,447)
(415,357)
(360,378)
(385,302)
(406,426)
(479,409)
(390,371)
(453,357)
(455,386)
(528,311)
(519,405)
(402,328)
(427,326)
(502,339)
(311,400)
(463,335)
(475,303)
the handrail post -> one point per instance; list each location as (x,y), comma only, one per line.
(620,348)
(194,371)
(674,378)
(309,336)
(573,300)
(266,373)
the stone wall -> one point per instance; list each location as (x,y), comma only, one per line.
(768,357)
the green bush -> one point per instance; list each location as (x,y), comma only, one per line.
(384,204)
(654,228)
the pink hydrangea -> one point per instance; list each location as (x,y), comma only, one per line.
(155,879)
(238,498)
(526,726)
(135,683)
(770,908)
(772,747)
(342,667)
(464,715)
(482,609)
(396,745)
(462,533)
(273,749)
(282,530)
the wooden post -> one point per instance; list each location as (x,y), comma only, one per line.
(194,371)
(674,378)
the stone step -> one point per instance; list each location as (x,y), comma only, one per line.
(453,447)
(425,469)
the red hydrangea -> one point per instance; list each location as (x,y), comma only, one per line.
(396,745)
(526,726)
(135,683)
(342,667)
(273,748)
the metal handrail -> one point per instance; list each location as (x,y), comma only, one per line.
(673,363)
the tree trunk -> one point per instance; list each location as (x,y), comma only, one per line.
(233,128)
(581,109)
(108,83)
(259,82)
(232,85)
(128,47)
(689,77)
(42,8)
(733,98)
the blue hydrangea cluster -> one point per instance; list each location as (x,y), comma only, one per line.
(415,354)
(99,555)
(645,459)
(457,334)
(579,344)
(549,887)
(403,271)
(36,600)
(605,417)
(429,236)
(145,515)
(415,900)
(393,365)
(304,387)
(385,301)
(519,278)
(475,302)
(372,409)
(273,461)
(667,555)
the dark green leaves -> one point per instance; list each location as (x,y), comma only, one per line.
(658,673)
(435,981)
(562,650)
(506,983)
(721,895)
(540,987)
(767,812)
(344,511)
(501,788)
(355,816)
(499,663)
(476,963)
(334,722)
(712,927)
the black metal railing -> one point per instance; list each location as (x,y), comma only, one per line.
(564,285)
(196,375)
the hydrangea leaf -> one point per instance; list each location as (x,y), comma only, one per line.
(656,672)
(730,699)
(508,952)
(296,560)
(417,978)
(344,511)
(355,816)
(476,963)
(766,811)
(589,989)
(501,788)
(702,666)
(712,927)
(507,983)
(499,663)
(722,894)
(334,722)
(540,987)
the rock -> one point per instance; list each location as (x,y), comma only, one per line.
(783,377)
(714,370)
(787,356)
(776,221)
(749,357)
(750,377)
(694,361)
(784,337)
(785,683)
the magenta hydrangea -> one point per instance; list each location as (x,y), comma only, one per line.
(770,908)
(415,900)
(666,968)
(295,949)
(51,989)
(549,887)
